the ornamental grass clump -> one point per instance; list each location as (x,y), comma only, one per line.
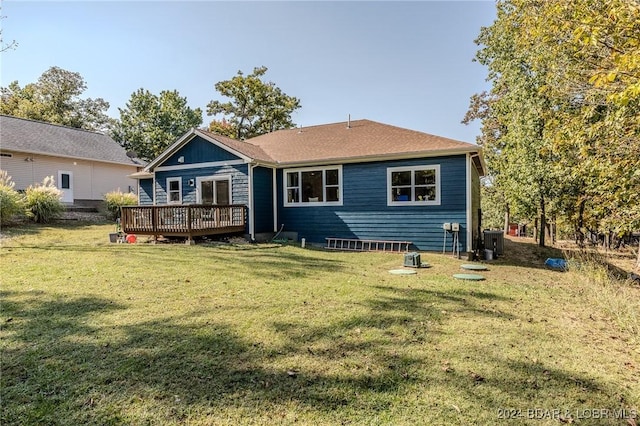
(43,202)
(10,199)
(115,199)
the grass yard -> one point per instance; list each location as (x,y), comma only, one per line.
(115,334)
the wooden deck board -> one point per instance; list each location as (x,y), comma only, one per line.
(187,221)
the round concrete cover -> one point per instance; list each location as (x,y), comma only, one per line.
(403,271)
(472,277)
(473,267)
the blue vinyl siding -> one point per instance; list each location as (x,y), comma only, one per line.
(263,199)
(145,197)
(199,150)
(239,183)
(365,214)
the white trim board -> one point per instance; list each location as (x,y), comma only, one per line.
(200,165)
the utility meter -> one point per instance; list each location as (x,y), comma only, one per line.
(446,226)
(455,227)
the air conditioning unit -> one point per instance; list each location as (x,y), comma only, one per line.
(412,260)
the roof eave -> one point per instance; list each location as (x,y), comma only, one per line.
(51,154)
(481,165)
(141,175)
(385,157)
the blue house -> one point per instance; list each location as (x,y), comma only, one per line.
(359,180)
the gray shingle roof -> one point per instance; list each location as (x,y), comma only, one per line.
(37,137)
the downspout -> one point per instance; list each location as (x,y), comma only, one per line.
(153,194)
(275,200)
(252,232)
(469,212)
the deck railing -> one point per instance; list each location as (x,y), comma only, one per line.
(187,220)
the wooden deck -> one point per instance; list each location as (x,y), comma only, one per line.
(183,221)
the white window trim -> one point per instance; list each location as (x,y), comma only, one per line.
(324,185)
(201,179)
(174,179)
(413,169)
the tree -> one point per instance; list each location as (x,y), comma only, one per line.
(256,107)
(149,123)
(223,127)
(55,98)
(514,119)
(6,46)
(598,70)
(564,109)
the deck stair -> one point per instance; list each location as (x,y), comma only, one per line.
(352,244)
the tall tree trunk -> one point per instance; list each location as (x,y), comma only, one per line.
(507,219)
(535,230)
(543,222)
(579,233)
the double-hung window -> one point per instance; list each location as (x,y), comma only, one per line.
(416,185)
(317,185)
(174,190)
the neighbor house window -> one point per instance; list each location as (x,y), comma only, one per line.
(417,185)
(66,181)
(174,191)
(319,185)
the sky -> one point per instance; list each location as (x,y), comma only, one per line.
(408,64)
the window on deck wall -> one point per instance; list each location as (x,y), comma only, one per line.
(313,186)
(174,191)
(417,185)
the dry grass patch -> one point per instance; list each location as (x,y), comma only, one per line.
(99,333)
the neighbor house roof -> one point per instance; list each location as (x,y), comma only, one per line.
(37,137)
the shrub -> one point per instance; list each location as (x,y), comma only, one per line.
(115,199)
(43,202)
(10,199)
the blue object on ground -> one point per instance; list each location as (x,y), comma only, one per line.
(555,263)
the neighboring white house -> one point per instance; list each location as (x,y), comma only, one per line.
(85,165)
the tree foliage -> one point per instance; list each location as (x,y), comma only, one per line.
(5,46)
(560,126)
(149,123)
(256,107)
(55,98)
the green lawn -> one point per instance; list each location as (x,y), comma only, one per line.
(99,333)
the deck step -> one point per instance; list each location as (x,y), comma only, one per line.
(352,244)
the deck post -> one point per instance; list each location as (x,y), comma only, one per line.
(154,222)
(189,223)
